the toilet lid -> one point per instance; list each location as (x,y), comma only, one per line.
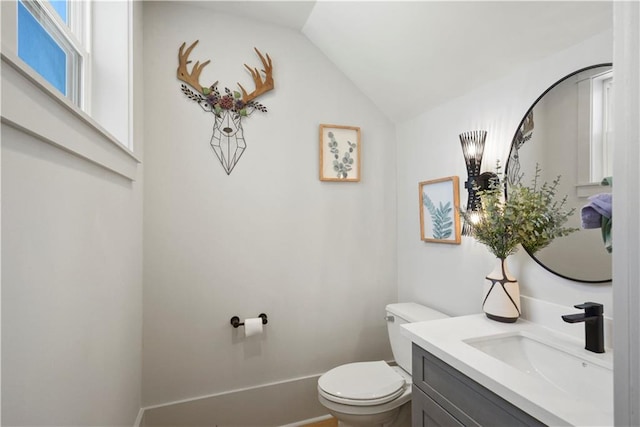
(365,383)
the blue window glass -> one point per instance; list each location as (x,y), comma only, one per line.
(61,7)
(38,49)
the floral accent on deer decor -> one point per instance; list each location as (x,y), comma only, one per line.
(228,108)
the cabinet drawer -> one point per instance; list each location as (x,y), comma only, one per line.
(465,399)
(427,413)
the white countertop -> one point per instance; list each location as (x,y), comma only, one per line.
(444,339)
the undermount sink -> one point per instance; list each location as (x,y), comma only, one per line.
(544,372)
(580,375)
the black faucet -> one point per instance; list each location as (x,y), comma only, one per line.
(593,325)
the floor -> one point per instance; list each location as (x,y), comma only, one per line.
(326,423)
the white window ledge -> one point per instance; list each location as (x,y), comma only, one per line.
(591,189)
(31,105)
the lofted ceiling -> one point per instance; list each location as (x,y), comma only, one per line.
(410,56)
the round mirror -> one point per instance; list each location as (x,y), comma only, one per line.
(566,132)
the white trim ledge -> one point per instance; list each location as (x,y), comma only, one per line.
(31,105)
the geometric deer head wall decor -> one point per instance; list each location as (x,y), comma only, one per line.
(228,109)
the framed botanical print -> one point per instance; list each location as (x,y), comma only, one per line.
(440,210)
(339,153)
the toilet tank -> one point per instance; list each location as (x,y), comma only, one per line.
(408,312)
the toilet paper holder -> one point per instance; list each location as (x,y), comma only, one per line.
(235,320)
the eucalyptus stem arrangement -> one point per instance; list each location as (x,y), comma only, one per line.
(527,215)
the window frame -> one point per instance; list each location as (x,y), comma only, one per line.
(33,106)
(73,39)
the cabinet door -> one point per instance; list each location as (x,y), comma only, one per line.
(427,413)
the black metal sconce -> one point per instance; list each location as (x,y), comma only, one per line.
(473,149)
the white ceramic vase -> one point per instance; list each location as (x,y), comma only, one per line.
(501,296)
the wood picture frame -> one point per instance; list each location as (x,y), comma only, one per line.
(440,210)
(339,153)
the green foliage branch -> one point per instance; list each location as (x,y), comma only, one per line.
(529,215)
(441,218)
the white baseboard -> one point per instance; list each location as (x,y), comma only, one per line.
(284,403)
(309,421)
(138,422)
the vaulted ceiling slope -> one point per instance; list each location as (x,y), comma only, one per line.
(408,57)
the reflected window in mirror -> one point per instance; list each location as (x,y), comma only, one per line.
(595,138)
(601,124)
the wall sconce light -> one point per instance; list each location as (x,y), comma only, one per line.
(473,149)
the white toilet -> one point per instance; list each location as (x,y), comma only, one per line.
(375,393)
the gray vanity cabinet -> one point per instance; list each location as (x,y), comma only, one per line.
(443,396)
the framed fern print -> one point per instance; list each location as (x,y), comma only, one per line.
(440,210)
(339,153)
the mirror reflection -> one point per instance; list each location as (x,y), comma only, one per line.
(567,132)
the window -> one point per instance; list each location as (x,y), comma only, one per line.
(60,6)
(50,38)
(601,126)
(78,54)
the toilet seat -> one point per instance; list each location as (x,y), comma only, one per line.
(362,384)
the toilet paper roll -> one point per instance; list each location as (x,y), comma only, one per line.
(252,327)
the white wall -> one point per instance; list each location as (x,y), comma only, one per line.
(71,288)
(449,277)
(626,204)
(317,257)
(72,268)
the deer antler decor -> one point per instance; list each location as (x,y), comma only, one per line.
(227,140)
(261,86)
